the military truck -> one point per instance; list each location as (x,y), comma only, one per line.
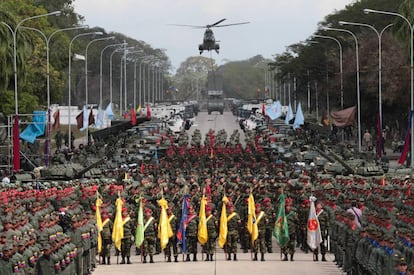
(215,101)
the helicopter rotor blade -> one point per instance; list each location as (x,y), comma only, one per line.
(190,26)
(215,24)
(234,24)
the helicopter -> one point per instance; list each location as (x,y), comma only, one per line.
(209,42)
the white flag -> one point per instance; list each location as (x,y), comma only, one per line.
(85,118)
(314,229)
(109,112)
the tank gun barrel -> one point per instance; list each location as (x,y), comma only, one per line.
(323,154)
(93,165)
(342,162)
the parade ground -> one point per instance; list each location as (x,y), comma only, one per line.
(303,264)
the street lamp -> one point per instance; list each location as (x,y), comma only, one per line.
(47,41)
(69,82)
(366,11)
(357,80)
(379,35)
(86,77)
(125,79)
(16,145)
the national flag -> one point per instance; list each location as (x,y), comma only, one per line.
(289,114)
(133,117)
(118,228)
(223,224)
(345,117)
(407,141)
(313,227)
(274,111)
(109,112)
(299,118)
(91,118)
(56,119)
(281,230)
(251,219)
(99,118)
(202,234)
(139,233)
(181,233)
(16,144)
(99,224)
(164,227)
(36,128)
(148,112)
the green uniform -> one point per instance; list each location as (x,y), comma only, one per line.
(148,244)
(209,246)
(293,221)
(233,223)
(172,242)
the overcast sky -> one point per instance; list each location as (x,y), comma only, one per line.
(274,24)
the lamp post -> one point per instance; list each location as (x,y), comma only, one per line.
(125,80)
(69,82)
(379,35)
(47,41)
(357,80)
(86,77)
(16,145)
(411,26)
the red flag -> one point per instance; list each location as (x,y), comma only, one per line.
(148,112)
(91,118)
(263,109)
(16,144)
(79,120)
(407,143)
(142,168)
(133,117)
(56,118)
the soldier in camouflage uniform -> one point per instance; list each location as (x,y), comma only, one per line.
(126,241)
(270,212)
(212,234)
(323,218)
(191,233)
(293,221)
(233,224)
(148,244)
(172,242)
(106,235)
(259,243)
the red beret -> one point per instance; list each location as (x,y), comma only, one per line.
(257,205)
(208,208)
(124,209)
(266,200)
(148,210)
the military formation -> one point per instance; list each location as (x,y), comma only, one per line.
(49,227)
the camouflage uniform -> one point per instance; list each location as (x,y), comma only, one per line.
(289,248)
(191,233)
(259,243)
(212,235)
(148,245)
(232,234)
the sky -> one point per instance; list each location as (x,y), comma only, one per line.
(274,24)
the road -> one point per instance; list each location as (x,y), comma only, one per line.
(303,263)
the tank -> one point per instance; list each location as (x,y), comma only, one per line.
(69,171)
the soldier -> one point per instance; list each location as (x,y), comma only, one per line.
(5,261)
(192,231)
(106,235)
(58,139)
(45,265)
(293,221)
(126,241)
(259,243)
(271,216)
(148,244)
(172,242)
(233,223)
(212,234)
(323,219)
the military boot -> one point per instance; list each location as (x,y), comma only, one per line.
(145,260)
(151,259)
(123,260)
(195,257)
(285,258)
(128,261)
(103,260)
(234,257)
(188,258)
(169,259)
(262,258)
(291,258)
(176,259)
(323,258)
(207,258)
(255,257)
(315,257)
(229,257)
(211,257)
(108,262)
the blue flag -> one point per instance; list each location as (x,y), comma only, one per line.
(109,112)
(289,115)
(274,111)
(99,118)
(299,118)
(181,233)
(36,128)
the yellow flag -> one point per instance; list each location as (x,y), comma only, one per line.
(138,108)
(202,224)
(99,224)
(164,227)
(251,219)
(223,224)
(126,176)
(118,229)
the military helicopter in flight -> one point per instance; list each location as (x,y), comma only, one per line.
(209,41)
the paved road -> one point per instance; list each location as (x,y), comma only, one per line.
(303,264)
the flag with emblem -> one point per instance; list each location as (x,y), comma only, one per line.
(313,227)
(281,230)
(251,219)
